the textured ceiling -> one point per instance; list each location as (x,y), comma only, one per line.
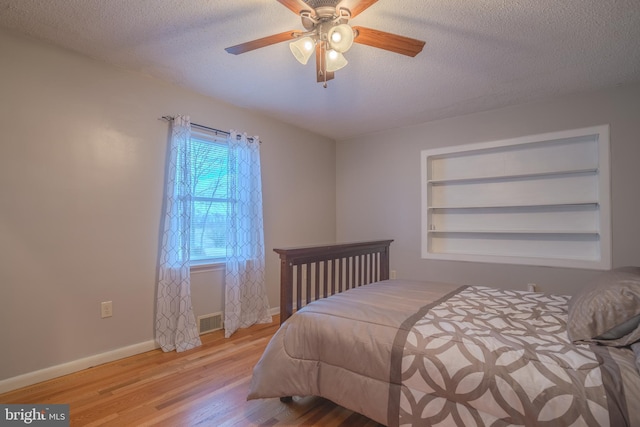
(479,55)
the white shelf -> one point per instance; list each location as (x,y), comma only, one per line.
(518,205)
(554,232)
(538,200)
(511,176)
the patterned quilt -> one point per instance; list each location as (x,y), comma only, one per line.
(409,353)
(493,357)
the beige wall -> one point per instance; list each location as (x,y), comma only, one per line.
(82,157)
(378,184)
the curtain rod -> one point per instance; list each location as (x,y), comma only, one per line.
(214,130)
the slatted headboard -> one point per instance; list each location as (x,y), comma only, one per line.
(314,272)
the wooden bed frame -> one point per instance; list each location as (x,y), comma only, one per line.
(314,272)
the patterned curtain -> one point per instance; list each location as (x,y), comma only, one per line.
(245,292)
(175,323)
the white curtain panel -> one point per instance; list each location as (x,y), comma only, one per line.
(175,323)
(246,300)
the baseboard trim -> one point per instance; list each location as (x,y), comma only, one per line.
(274,310)
(31,378)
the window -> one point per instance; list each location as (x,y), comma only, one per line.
(209,211)
(537,200)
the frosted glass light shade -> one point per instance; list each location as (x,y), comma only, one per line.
(302,49)
(340,37)
(335,60)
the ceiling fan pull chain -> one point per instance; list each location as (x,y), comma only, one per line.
(323,70)
(324,75)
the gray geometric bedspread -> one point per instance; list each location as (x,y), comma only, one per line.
(490,357)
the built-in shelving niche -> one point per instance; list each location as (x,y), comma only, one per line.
(536,200)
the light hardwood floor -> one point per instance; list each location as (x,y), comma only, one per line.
(206,386)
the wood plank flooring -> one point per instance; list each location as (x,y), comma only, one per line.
(206,386)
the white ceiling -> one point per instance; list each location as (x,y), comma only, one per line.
(479,54)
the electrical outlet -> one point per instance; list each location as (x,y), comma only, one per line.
(392,274)
(106,309)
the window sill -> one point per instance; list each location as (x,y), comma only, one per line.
(204,266)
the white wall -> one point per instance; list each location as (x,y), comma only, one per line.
(378,184)
(82,157)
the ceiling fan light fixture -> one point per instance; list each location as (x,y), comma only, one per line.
(329,35)
(302,49)
(340,37)
(335,60)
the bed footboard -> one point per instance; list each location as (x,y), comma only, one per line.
(314,272)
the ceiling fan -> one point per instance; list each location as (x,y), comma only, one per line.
(330,36)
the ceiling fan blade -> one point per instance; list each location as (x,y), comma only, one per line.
(296,6)
(355,6)
(321,64)
(388,41)
(265,41)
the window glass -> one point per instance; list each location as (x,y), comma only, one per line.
(208,218)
